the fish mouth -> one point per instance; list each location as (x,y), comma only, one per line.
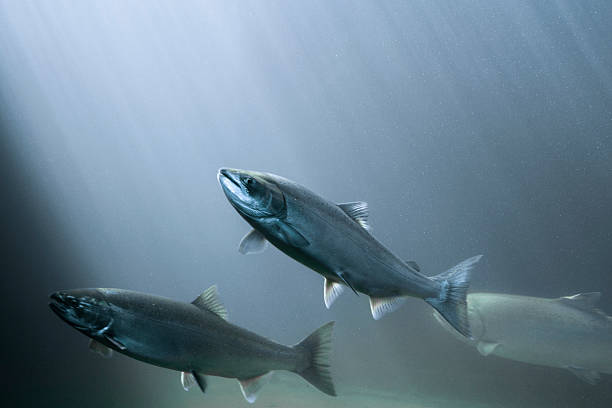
(229,180)
(58,305)
(57,301)
(58,309)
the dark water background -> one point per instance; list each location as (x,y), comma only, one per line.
(468,126)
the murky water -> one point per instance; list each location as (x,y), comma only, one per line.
(469,128)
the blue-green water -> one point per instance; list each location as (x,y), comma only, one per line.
(468,127)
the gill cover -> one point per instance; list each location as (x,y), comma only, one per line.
(251,193)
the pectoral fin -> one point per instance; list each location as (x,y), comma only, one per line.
(253,243)
(115,342)
(485,347)
(100,349)
(251,386)
(331,291)
(590,376)
(382,306)
(292,236)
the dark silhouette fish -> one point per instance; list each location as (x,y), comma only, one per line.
(194,338)
(333,240)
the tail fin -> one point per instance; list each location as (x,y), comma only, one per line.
(451,303)
(317,348)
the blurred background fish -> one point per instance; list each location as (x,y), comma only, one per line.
(569,332)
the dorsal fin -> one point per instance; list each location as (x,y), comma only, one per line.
(584,301)
(358,211)
(209,300)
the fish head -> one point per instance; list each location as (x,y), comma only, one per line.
(254,195)
(84,309)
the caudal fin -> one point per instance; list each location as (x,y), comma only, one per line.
(451,303)
(317,348)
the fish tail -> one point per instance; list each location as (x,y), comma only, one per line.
(317,351)
(451,302)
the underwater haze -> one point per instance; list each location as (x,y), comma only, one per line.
(469,127)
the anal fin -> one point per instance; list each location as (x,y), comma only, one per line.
(383,306)
(331,291)
(251,386)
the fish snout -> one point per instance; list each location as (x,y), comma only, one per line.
(60,297)
(57,296)
(84,309)
(63,300)
(59,302)
(230,182)
(232,175)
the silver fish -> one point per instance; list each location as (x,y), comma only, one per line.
(333,240)
(193,338)
(567,332)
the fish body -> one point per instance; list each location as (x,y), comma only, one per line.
(340,246)
(334,240)
(567,332)
(193,338)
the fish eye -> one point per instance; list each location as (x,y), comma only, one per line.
(249,181)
